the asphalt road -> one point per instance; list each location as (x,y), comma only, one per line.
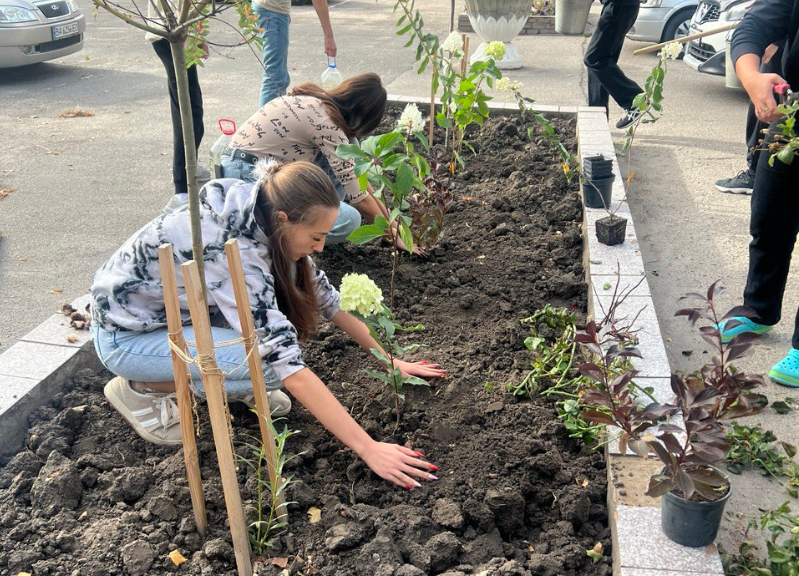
(83,185)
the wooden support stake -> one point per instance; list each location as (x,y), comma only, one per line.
(465,57)
(432,103)
(175,326)
(214,382)
(684,39)
(244,309)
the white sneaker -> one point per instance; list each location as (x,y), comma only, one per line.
(279,402)
(153,416)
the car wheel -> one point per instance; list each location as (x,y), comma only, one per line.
(677,26)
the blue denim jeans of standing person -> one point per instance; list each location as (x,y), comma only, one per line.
(348,217)
(147,357)
(275,33)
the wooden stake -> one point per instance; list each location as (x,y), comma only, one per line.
(432,103)
(175,326)
(244,309)
(465,57)
(684,39)
(214,382)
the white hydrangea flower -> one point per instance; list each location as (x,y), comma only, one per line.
(505,84)
(453,44)
(360,294)
(495,50)
(411,120)
(671,51)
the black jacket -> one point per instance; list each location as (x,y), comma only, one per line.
(769,21)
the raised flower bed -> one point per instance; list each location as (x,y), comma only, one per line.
(515,495)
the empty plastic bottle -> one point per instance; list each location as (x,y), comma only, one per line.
(331,77)
(228,128)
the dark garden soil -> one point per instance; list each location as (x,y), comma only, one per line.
(515,497)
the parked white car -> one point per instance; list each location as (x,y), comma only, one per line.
(707,54)
(35,31)
(662,20)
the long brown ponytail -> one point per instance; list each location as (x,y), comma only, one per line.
(301,190)
(356,105)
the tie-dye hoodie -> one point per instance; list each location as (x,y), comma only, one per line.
(127,292)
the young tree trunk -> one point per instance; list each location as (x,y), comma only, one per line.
(184,102)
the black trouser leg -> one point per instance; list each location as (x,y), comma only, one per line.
(602,56)
(164,52)
(774,224)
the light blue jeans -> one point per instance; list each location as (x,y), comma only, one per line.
(146,357)
(348,217)
(275,33)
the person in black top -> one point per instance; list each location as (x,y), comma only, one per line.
(602,57)
(774,220)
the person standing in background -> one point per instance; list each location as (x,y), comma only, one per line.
(274,18)
(602,56)
(164,51)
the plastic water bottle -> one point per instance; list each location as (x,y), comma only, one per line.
(228,128)
(331,77)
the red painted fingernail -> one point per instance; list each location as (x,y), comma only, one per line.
(419,454)
(409,487)
(434,468)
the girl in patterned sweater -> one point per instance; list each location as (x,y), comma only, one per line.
(279,222)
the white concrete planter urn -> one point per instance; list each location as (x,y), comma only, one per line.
(500,20)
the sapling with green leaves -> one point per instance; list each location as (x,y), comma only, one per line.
(362,298)
(269,516)
(391,164)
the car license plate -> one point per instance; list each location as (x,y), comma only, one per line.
(64,30)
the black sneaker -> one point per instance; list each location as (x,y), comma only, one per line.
(629,117)
(741,183)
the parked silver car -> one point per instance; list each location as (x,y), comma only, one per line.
(35,31)
(662,20)
(708,54)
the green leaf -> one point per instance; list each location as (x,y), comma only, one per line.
(379,355)
(405,179)
(350,151)
(382,376)
(781,407)
(366,233)
(406,235)
(389,141)
(416,381)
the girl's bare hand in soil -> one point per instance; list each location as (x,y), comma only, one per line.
(417,250)
(398,464)
(422,369)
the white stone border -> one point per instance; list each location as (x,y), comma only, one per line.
(35,368)
(639,546)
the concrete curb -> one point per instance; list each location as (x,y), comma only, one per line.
(639,546)
(35,368)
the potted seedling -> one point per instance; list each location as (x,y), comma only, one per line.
(692,489)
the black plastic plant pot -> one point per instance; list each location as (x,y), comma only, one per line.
(598,193)
(597,167)
(689,523)
(610,230)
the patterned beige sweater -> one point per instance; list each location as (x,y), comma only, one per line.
(291,128)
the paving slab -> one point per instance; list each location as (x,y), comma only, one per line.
(643,545)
